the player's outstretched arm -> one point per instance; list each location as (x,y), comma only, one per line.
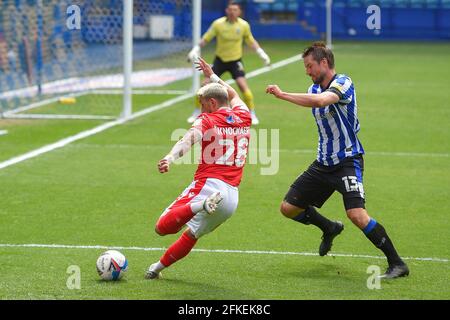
(180,148)
(195,51)
(304,99)
(233,96)
(208,72)
(261,53)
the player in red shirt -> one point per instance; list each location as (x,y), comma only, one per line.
(223,128)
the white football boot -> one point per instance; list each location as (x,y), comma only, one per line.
(151,273)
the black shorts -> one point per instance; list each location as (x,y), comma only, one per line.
(318,182)
(236,68)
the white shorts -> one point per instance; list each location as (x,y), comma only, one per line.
(203,223)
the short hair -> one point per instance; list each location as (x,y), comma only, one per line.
(213,90)
(319,51)
(234,3)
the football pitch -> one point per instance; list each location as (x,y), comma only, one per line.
(65,207)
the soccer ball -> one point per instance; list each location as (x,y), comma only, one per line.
(111,265)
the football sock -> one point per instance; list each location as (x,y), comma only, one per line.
(178,250)
(248,99)
(158,266)
(311,216)
(176,218)
(378,236)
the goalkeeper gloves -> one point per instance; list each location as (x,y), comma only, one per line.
(194,54)
(263,56)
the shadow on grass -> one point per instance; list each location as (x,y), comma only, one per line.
(102,282)
(322,271)
(202,290)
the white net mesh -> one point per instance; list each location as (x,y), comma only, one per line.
(52,48)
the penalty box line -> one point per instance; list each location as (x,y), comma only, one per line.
(254,252)
(84,134)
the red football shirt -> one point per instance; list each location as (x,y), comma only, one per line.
(226,135)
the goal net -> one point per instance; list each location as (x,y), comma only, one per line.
(65,59)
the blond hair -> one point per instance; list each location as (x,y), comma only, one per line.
(214,90)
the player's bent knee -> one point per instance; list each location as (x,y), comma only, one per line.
(159,232)
(190,234)
(358,216)
(289,211)
(162,230)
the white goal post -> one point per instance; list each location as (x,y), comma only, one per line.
(62,59)
(196,35)
(127,109)
(128,50)
(329,27)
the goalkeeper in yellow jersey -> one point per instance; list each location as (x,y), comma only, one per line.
(230,32)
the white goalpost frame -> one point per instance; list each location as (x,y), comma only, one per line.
(127,90)
(196,34)
(128,51)
(329,7)
(127,57)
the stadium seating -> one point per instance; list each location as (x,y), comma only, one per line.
(405,19)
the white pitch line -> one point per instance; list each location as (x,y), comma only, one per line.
(87,133)
(276,65)
(59,116)
(138,91)
(58,144)
(103,247)
(10,113)
(105,126)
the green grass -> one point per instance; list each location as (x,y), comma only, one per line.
(104,104)
(105,190)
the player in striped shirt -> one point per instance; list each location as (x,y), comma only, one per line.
(339,164)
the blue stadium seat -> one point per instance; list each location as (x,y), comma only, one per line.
(292,6)
(264,6)
(401,3)
(354,3)
(367,3)
(169,8)
(278,7)
(387,3)
(339,3)
(432,4)
(310,4)
(417,3)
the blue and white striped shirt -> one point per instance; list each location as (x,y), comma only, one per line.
(337,123)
